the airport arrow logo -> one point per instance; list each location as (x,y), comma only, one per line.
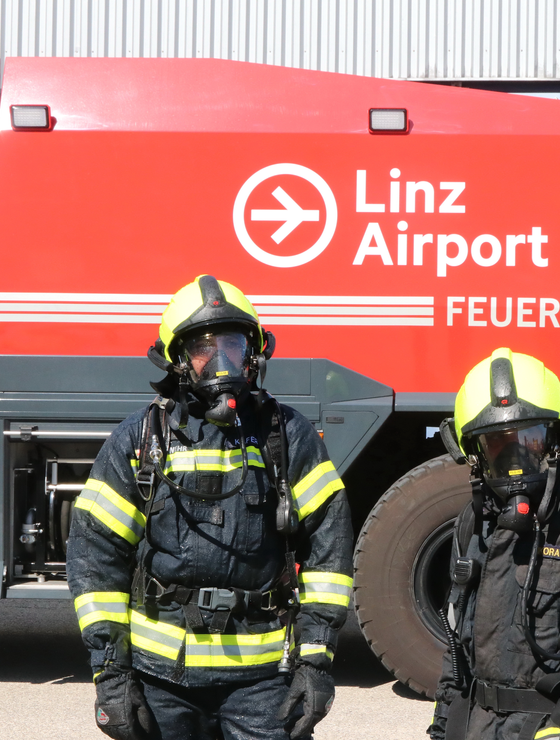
(293,215)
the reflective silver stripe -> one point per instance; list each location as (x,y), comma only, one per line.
(102,606)
(331,588)
(315,649)
(252,457)
(325,587)
(330,476)
(222,460)
(205,650)
(236,650)
(162,637)
(127,521)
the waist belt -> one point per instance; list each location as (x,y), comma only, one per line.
(501,699)
(221,601)
(235,600)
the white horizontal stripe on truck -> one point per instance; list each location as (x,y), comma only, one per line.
(84,318)
(280,310)
(346,321)
(340,300)
(84,307)
(347,310)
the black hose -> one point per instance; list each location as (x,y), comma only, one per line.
(452,648)
(195,494)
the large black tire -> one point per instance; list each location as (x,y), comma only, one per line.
(401,567)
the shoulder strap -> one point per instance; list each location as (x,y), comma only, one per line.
(273,442)
(465,528)
(270,439)
(154,423)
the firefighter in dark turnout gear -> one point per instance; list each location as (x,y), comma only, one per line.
(184,543)
(501,674)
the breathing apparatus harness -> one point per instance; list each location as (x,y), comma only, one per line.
(158,425)
(517,514)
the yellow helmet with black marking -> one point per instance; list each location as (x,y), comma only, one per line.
(211,343)
(506,389)
(206,302)
(506,418)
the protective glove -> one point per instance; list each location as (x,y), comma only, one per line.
(121,711)
(316,689)
(548,733)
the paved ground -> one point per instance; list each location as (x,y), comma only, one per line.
(46,691)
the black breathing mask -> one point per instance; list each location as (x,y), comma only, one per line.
(514,466)
(218,370)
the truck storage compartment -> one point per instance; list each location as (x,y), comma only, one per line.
(49,464)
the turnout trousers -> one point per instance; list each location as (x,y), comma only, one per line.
(239,711)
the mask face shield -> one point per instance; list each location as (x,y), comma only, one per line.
(218,359)
(513,452)
(514,460)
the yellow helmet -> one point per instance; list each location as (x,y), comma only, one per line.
(211,342)
(206,302)
(505,389)
(507,425)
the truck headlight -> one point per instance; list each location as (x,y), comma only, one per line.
(388,121)
(31,117)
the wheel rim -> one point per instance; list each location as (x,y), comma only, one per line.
(430,578)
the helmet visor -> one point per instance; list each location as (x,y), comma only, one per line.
(217,355)
(517,451)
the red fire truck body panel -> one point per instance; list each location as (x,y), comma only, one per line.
(88,94)
(406,258)
(391,255)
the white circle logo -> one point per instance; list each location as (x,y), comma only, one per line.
(292,214)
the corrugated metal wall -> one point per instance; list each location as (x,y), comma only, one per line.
(414,39)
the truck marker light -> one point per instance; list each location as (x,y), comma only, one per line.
(388,121)
(31,117)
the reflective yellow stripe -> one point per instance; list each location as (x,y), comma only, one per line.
(313,649)
(325,588)
(317,486)
(114,511)
(152,646)
(205,650)
(157,626)
(221,461)
(547,732)
(101,606)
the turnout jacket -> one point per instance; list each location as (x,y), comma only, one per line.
(231,543)
(491,641)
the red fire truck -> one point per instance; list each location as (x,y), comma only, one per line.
(390,234)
